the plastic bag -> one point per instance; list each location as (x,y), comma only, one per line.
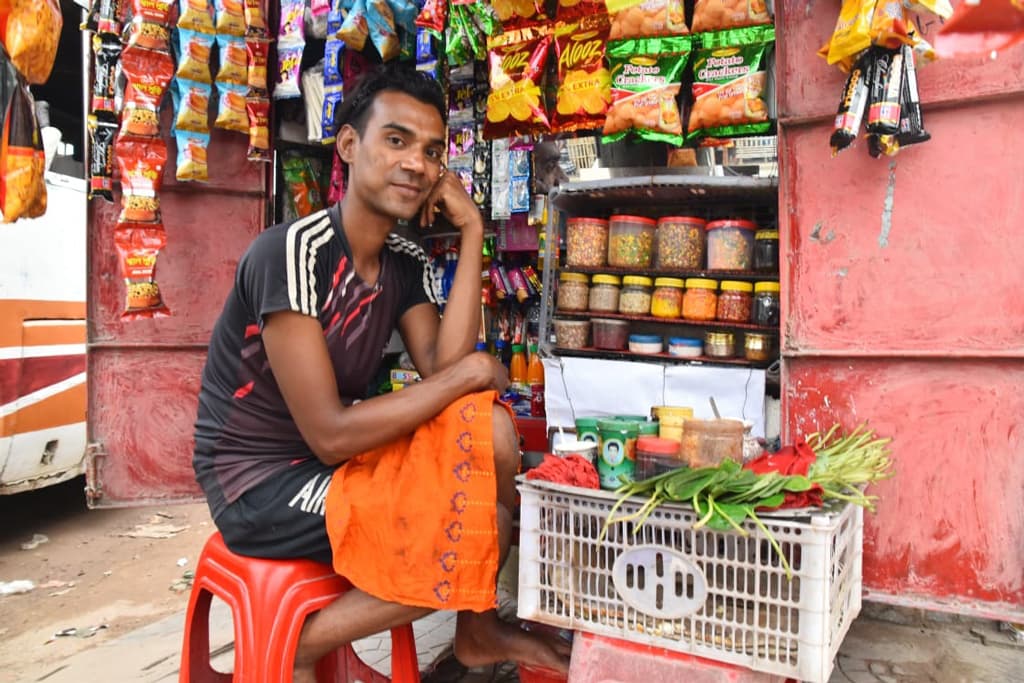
(31,36)
(137,249)
(22,160)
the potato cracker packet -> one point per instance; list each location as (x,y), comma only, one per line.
(716,15)
(646,18)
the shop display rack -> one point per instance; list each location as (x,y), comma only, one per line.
(716,324)
(744,275)
(607,354)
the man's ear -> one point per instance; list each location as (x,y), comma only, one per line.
(348,139)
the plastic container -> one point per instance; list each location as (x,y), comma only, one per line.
(709,442)
(586,429)
(731,245)
(571,334)
(766,304)
(680,243)
(573,292)
(645,343)
(635,298)
(616,451)
(667,299)
(586,242)
(700,302)
(735,301)
(584,449)
(758,347)
(573,578)
(604,293)
(685,347)
(719,345)
(610,334)
(630,241)
(656,456)
(766,251)
(649,427)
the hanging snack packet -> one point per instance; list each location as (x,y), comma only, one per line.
(573,9)
(191,105)
(234,60)
(852,34)
(231,112)
(255,20)
(381,23)
(191,160)
(31,35)
(729,78)
(289,59)
(230,17)
(851,107)
(137,247)
(355,30)
(103,17)
(646,75)
(148,73)
(515,105)
(258,110)
(149,25)
(885,85)
(426,55)
(912,129)
(22,160)
(106,53)
(433,16)
(101,157)
(584,84)
(141,162)
(258,55)
(646,18)
(291,26)
(716,15)
(196,15)
(194,56)
(514,13)
(302,186)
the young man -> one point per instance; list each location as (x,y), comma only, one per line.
(417,485)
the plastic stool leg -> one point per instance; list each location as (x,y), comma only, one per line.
(195,655)
(405,666)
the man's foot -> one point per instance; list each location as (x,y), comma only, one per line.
(482,639)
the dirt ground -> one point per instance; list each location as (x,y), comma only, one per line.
(88,573)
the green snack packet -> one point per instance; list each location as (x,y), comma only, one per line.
(300,178)
(729,78)
(646,75)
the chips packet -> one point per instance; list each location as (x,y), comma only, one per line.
(646,76)
(517,13)
(148,73)
(191,105)
(191,159)
(381,23)
(982,27)
(716,15)
(646,18)
(231,109)
(567,10)
(149,26)
(302,185)
(103,16)
(234,60)
(584,84)
(433,16)
(516,63)
(258,56)
(194,50)
(137,248)
(230,17)
(355,30)
(729,80)
(196,15)
(141,162)
(258,110)
(291,25)
(22,160)
(101,157)
(30,36)
(255,19)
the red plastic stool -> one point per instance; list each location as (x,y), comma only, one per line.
(269,601)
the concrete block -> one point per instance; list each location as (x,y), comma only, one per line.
(597,659)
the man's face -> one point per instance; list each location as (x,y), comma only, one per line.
(397,160)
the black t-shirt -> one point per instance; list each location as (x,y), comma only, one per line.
(244,431)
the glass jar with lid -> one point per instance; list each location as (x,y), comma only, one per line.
(635,298)
(573,292)
(679,243)
(700,302)
(630,241)
(730,244)
(667,300)
(604,293)
(735,302)
(766,304)
(586,241)
(766,251)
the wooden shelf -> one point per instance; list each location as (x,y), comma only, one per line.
(745,275)
(607,354)
(713,324)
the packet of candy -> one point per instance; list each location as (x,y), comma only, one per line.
(106,54)
(103,17)
(851,108)
(101,157)
(137,248)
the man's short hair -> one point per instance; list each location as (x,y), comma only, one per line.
(354,110)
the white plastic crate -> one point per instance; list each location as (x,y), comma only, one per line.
(712,594)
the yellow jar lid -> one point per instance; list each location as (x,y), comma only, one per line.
(766,287)
(607,280)
(701,283)
(736,286)
(766,235)
(574,277)
(637,280)
(668,282)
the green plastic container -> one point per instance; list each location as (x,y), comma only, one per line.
(616,451)
(586,429)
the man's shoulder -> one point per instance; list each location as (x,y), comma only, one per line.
(292,241)
(405,248)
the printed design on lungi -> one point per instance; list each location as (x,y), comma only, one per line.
(465,442)
(454,531)
(462,471)
(443,591)
(448,560)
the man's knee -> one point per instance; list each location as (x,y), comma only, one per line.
(506,442)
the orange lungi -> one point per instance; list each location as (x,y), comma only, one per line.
(415,521)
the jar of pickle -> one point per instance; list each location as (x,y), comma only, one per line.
(630,241)
(667,300)
(766,304)
(700,302)
(730,244)
(679,243)
(604,293)
(573,292)
(735,302)
(635,298)
(766,251)
(586,241)
(719,345)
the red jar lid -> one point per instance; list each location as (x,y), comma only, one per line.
(657,446)
(577,220)
(731,223)
(682,219)
(622,218)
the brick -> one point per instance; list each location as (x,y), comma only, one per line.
(596,659)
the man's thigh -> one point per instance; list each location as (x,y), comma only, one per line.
(282,517)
